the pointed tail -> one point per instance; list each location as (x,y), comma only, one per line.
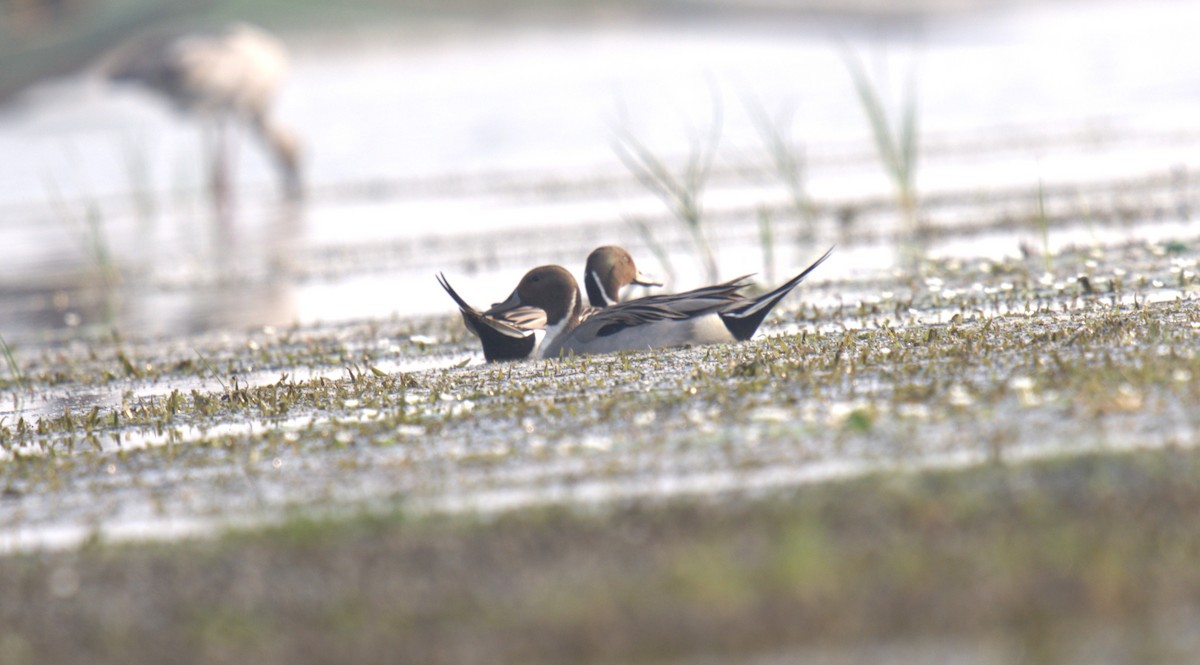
(462,304)
(501,341)
(743,318)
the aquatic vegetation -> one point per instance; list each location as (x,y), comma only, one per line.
(766,236)
(951,341)
(14,370)
(85,223)
(1044,226)
(680,192)
(986,452)
(897,142)
(787,158)
(138,172)
(811,432)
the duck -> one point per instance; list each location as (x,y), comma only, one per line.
(515,332)
(714,314)
(232,73)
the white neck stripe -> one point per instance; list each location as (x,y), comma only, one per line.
(608,302)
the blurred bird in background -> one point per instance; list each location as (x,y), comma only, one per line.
(228,76)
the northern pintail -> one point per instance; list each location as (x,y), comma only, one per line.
(514,333)
(708,315)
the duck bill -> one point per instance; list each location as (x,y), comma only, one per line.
(513,302)
(642,279)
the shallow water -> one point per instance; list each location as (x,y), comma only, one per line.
(484,151)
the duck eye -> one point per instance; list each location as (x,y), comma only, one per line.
(536,278)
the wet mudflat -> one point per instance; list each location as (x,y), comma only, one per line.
(803,493)
(973,361)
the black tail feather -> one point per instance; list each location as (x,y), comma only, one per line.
(743,319)
(462,304)
(501,341)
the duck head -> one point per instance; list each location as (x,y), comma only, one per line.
(610,269)
(550,288)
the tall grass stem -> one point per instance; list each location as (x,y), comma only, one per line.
(680,192)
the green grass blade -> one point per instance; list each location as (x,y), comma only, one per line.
(909,132)
(11,361)
(766,237)
(872,105)
(680,193)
